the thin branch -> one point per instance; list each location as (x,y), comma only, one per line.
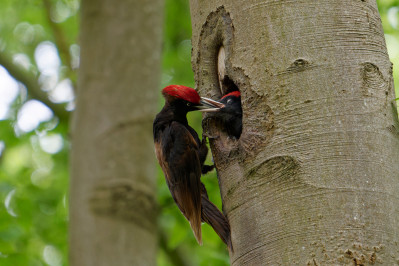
(33,86)
(175,255)
(61,42)
(59,37)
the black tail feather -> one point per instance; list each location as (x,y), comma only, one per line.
(212,216)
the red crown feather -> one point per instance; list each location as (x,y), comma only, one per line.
(182,92)
(234,93)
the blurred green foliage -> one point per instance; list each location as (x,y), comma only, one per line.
(34,178)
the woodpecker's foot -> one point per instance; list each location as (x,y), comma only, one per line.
(207,168)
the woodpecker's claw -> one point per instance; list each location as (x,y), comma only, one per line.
(207,168)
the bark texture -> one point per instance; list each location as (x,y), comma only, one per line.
(314,177)
(112,199)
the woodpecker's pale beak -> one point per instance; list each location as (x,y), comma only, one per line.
(209,105)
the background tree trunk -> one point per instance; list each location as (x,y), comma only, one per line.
(113,202)
(314,177)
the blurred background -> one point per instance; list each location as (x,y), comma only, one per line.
(39,60)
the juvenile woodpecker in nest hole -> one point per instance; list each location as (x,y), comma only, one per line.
(229,116)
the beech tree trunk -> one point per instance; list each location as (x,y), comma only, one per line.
(314,177)
(112,199)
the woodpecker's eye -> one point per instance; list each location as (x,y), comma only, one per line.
(188,104)
(229,100)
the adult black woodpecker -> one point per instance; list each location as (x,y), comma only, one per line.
(230,116)
(181,156)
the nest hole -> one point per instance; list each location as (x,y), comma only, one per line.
(228,85)
(229,120)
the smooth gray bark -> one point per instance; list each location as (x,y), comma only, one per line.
(314,178)
(112,201)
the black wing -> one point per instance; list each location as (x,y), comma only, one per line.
(179,151)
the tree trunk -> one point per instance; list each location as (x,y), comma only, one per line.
(112,199)
(314,177)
